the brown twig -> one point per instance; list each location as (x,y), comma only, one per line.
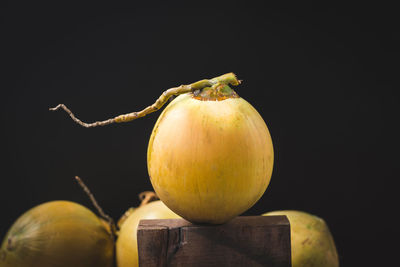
(228,78)
(84,124)
(106,217)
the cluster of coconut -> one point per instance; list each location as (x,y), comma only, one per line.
(210,158)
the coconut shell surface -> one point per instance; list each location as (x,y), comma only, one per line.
(57,234)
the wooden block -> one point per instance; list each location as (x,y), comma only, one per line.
(244,241)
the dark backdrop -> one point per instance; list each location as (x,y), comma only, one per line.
(322,77)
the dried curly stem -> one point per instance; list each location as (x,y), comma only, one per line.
(106,217)
(228,78)
(78,121)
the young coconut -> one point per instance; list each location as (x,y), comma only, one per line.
(58,234)
(210,155)
(126,246)
(312,242)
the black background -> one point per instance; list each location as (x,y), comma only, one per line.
(322,77)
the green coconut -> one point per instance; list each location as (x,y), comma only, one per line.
(58,234)
(312,242)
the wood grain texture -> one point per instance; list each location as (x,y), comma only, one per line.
(244,241)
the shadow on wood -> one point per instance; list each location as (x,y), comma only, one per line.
(244,241)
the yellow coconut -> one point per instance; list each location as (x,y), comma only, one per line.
(57,234)
(210,155)
(126,246)
(312,242)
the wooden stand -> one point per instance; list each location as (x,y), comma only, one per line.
(244,241)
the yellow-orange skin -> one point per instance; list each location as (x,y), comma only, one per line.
(312,242)
(126,247)
(210,161)
(57,234)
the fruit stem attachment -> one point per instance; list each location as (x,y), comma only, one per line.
(146,197)
(107,218)
(228,78)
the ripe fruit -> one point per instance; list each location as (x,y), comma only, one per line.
(126,246)
(210,155)
(57,233)
(312,242)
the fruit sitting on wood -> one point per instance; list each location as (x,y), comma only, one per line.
(312,242)
(58,233)
(210,155)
